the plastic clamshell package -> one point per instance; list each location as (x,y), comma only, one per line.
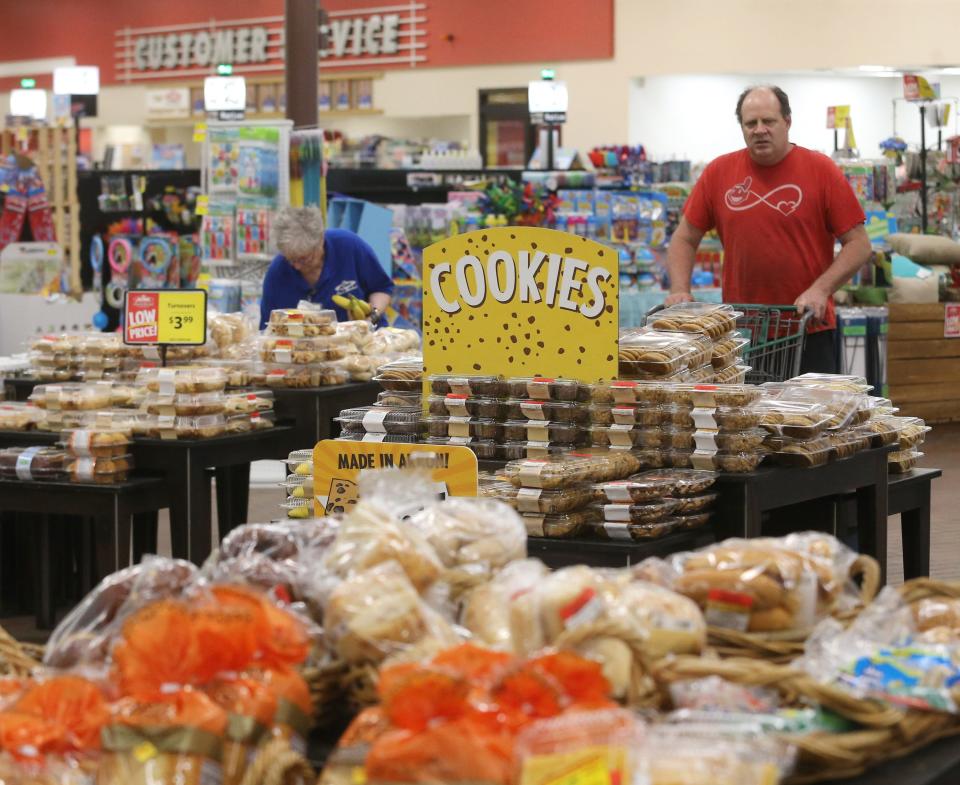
(626,414)
(728,350)
(732,374)
(480,386)
(189,405)
(793,419)
(537,500)
(701,502)
(463,427)
(847,443)
(302,351)
(629,392)
(484,449)
(454,405)
(732,463)
(636,489)
(646,512)
(183,380)
(395,398)
(701,345)
(402,375)
(207,427)
(690,521)
(541,431)
(801,452)
(386,438)
(832,381)
(880,432)
(686,482)
(564,525)
(33,463)
(248,401)
(100,471)
(550,473)
(513,451)
(618,530)
(626,436)
(97,442)
(543,388)
(18,416)
(246,422)
(72,397)
(711,319)
(557,411)
(725,441)
(911,431)
(302,322)
(721,418)
(903,461)
(655,353)
(380,419)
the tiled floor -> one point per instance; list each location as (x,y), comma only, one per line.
(942,449)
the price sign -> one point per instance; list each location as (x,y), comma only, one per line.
(165,316)
(951,320)
(837,117)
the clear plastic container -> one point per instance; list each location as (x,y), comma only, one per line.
(614,530)
(800,452)
(715,395)
(733,463)
(543,388)
(53,374)
(537,500)
(298,508)
(686,482)
(18,416)
(301,351)
(677,438)
(692,521)
(880,430)
(100,344)
(537,431)
(245,423)
(62,343)
(645,512)
(394,399)
(557,411)
(832,381)
(654,353)
(196,405)
(300,463)
(626,436)
(402,375)
(562,526)
(454,405)
(248,402)
(715,320)
(386,438)
(626,414)
(725,441)
(484,449)
(911,431)
(238,371)
(793,419)
(478,386)
(103,362)
(847,443)
(183,381)
(732,374)
(380,419)
(637,489)
(100,471)
(53,361)
(903,461)
(728,350)
(33,463)
(464,427)
(97,442)
(552,472)
(299,377)
(701,345)
(72,397)
(302,322)
(298,486)
(842,406)
(697,503)
(514,451)
(207,427)
(721,418)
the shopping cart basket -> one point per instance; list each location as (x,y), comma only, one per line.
(776,334)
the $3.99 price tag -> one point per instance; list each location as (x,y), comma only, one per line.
(167,316)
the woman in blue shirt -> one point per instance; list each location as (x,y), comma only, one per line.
(314,265)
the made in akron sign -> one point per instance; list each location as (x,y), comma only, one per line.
(381,35)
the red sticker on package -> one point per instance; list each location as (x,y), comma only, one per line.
(142,324)
(728,609)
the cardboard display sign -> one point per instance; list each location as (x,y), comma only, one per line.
(337,466)
(521,301)
(165,316)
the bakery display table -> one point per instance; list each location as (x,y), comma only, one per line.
(312,409)
(909,495)
(112,507)
(19,389)
(556,553)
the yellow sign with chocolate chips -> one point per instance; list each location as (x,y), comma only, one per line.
(337,466)
(521,301)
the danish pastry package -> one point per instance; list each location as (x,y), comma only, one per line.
(767,584)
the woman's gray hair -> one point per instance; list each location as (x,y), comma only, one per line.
(298,231)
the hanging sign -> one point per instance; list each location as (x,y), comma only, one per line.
(337,466)
(837,117)
(521,301)
(951,320)
(165,316)
(916,88)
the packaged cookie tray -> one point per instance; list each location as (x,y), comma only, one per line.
(484,449)
(645,512)
(543,388)
(728,350)
(903,461)
(832,381)
(33,463)
(393,398)
(302,322)
(402,375)
(911,431)
(715,320)
(58,360)
(800,452)
(192,380)
(880,432)
(100,471)
(65,343)
(685,482)
(616,530)
(302,351)
(553,472)
(557,411)
(513,451)
(732,374)
(701,346)
(561,526)
(166,427)
(727,441)
(627,391)
(626,436)
(843,407)
(248,401)
(72,397)
(793,419)
(387,438)
(298,377)
(455,405)
(847,443)
(626,414)
(733,463)
(380,419)
(474,386)
(464,427)
(53,374)
(97,442)
(252,421)
(691,521)
(698,503)
(634,490)
(656,353)
(542,431)
(18,416)
(194,405)
(537,500)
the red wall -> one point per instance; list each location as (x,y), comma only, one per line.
(460,32)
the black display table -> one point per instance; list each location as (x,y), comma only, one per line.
(745,497)
(19,389)
(909,495)
(112,508)
(938,764)
(313,408)
(556,553)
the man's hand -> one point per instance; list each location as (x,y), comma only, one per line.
(814,300)
(678,297)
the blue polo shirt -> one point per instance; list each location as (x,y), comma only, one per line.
(350,267)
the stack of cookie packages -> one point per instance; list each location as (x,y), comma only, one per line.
(911,433)
(299,347)
(655,503)
(379,423)
(298,485)
(725,435)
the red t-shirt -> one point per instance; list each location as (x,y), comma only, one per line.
(777,223)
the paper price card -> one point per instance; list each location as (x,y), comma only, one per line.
(951,320)
(521,301)
(337,466)
(166,316)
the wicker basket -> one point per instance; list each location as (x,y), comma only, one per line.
(925,588)
(17,659)
(888,732)
(783,647)
(326,683)
(277,764)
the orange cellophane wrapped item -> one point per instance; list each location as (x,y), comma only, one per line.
(281,638)
(251,704)
(72,703)
(172,739)
(10,688)
(292,718)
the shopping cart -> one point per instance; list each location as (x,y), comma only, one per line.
(776,334)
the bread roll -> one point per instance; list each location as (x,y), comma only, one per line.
(617,661)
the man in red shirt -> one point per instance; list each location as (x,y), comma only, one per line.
(778,208)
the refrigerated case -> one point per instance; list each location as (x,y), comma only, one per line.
(507,137)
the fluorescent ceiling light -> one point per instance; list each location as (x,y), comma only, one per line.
(876,68)
(952,71)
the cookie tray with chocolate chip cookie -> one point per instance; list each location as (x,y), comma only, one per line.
(800,452)
(713,319)
(402,375)
(655,354)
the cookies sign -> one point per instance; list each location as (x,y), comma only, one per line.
(337,466)
(521,301)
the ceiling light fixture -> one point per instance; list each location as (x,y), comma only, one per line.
(876,68)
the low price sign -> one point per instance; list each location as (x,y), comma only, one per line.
(165,316)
